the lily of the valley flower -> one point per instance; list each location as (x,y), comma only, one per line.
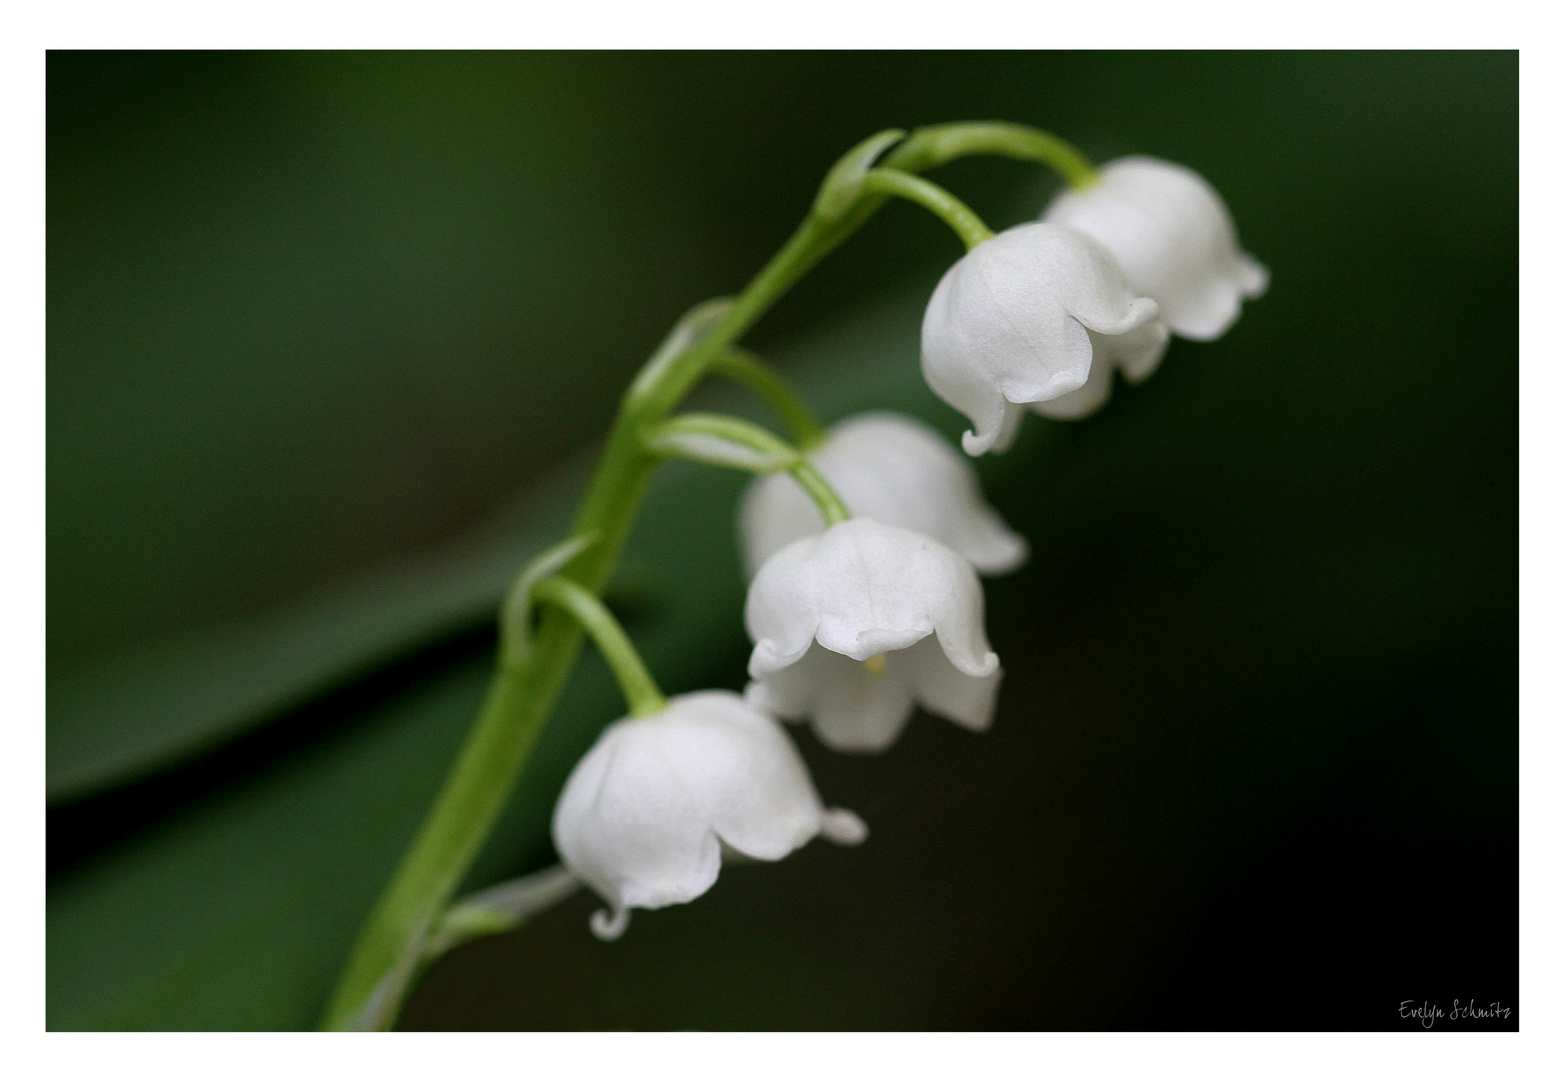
(1173,238)
(1020,318)
(896,471)
(648,812)
(854,626)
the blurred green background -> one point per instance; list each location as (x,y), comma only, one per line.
(331,336)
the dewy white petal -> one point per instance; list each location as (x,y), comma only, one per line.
(1174,239)
(645,814)
(1014,322)
(895,470)
(854,626)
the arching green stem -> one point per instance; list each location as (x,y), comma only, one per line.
(831,508)
(930,147)
(738,444)
(722,440)
(954,213)
(742,366)
(640,689)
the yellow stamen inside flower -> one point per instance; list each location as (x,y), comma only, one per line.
(876,664)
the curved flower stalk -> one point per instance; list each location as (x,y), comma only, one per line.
(646,815)
(1173,238)
(855,626)
(895,470)
(1021,319)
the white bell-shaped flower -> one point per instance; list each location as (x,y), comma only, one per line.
(895,470)
(1019,320)
(1174,239)
(646,815)
(855,626)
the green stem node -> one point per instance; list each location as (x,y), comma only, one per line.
(515,615)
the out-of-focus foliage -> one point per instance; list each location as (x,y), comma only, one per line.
(315,319)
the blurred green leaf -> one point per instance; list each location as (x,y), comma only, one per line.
(145,710)
(235,911)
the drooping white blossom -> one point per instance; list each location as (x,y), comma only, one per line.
(646,815)
(1019,319)
(895,470)
(1172,236)
(855,625)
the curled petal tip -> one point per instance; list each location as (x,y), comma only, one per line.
(842,827)
(768,657)
(1142,309)
(610,926)
(977,669)
(1254,277)
(976,444)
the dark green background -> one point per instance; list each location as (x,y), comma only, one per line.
(316,320)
